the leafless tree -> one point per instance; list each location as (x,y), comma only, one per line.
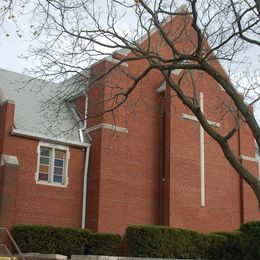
(73,35)
(10,10)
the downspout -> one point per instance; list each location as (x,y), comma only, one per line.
(84,194)
(85,176)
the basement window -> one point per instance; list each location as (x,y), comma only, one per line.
(52,166)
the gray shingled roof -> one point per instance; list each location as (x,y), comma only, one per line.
(39,106)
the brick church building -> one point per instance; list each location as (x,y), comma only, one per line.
(148,163)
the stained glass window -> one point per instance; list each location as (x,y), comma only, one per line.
(58,166)
(44,168)
(52,163)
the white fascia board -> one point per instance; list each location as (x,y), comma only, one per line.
(18,132)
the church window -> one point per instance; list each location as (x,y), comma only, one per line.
(52,167)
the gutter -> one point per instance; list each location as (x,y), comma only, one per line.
(32,135)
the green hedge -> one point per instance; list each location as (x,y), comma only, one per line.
(232,248)
(166,242)
(103,244)
(143,241)
(65,241)
(213,246)
(250,239)
(163,242)
(51,240)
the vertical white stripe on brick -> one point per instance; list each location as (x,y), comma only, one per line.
(202,159)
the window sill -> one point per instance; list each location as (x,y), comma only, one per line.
(52,184)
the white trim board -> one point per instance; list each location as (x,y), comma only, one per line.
(194,118)
(252,159)
(248,158)
(162,88)
(18,132)
(107,126)
(112,60)
(202,159)
(176,71)
(115,61)
(9,160)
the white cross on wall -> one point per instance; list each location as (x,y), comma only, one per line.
(202,149)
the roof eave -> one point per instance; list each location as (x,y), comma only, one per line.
(37,136)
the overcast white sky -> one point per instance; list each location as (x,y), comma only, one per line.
(10,49)
(12,46)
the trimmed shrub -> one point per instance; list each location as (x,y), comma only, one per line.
(51,240)
(213,246)
(232,248)
(143,241)
(163,242)
(103,244)
(72,241)
(250,239)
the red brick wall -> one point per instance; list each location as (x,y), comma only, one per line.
(2,126)
(8,178)
(8,200)
(251,207)
(150,175)
(127,171)
(35,203)
(51,205)
(125,167)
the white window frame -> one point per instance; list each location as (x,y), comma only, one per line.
(66,164)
